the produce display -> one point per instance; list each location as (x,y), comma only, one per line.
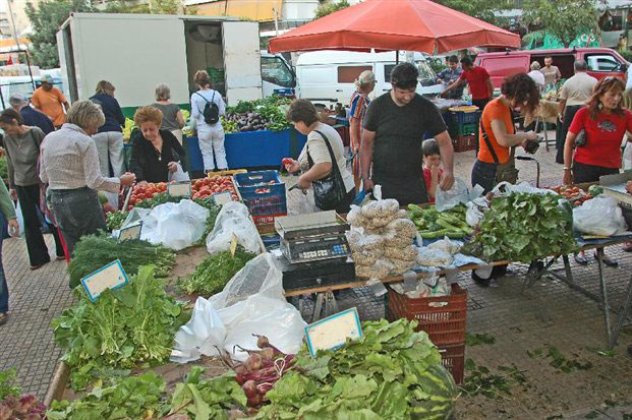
(381,239)
(122,329)
(433,224)
(16,406)
(215,271)
(523,227)
(114,220)
(94,251)
(264,114)
(575,195)
(392,372)
(205,187)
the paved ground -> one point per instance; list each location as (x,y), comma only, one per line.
(547,316)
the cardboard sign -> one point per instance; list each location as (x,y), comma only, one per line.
(179,189)
(110,276)
(222,198)
(332,332)
(130,232)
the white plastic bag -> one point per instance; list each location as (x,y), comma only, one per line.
(204,334)
(627,157)
(505,188)
(179,175)
(20,217)
(175,225)
(445,200)
(233,219)
(304,202)
(599,216)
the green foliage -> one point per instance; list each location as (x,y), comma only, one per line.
(627,54)
(46,20)
(125,327)
(330,7)
(7,384)
(134,397)
(94,251)
(565,19)
(481,380)
(215,271)
(482,9)
(392,372)
(558,360)
(4,170)
(523,227)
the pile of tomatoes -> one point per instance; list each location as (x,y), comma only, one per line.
(575,195)
(205,187)
(146,191)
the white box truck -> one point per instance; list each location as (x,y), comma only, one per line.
(327,77)
(137,52)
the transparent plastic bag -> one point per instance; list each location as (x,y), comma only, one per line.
(445,200)
(233,220)
(599,216)
(179,175)
(204,334)
(175,225)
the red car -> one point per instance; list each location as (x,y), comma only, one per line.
(602,62)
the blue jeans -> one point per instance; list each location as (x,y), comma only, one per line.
(4,287)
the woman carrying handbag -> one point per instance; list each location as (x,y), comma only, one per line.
(322,161)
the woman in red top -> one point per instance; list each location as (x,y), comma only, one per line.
(604,122)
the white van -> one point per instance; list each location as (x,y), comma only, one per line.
(326,77)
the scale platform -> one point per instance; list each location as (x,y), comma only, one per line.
(315,274)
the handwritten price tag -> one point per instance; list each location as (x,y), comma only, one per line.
(179,189)
(110,276)
(233,245)
(130,232)
(332,332)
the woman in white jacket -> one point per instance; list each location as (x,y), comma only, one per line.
(210,136)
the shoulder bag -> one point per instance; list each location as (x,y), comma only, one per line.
(330,191)
(505,172)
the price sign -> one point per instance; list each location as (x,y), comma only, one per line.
(130,232)
(179,189)
(332,332)
(110,276)
(233,245)
(222,198)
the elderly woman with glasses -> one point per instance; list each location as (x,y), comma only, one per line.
(70,165)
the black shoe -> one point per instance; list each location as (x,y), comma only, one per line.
(630,350)
(609,262)
(481,281)
(581,259)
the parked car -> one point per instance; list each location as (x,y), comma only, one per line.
(602,62)
(327,77)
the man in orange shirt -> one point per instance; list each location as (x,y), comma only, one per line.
(51,101)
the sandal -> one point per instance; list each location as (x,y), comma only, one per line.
(3,318)
(627,247)
(581,259)
(607,261)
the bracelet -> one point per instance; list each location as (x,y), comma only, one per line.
(566,168)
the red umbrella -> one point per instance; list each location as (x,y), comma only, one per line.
(411,25)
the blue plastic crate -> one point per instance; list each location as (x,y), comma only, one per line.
(263,192)
(460,117)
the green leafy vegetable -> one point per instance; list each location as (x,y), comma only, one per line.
(135,397)
(391,372)
(215,271)
(115,220)
(7,384)
(123,328)
(524,227)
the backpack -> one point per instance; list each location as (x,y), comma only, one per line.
(211,110)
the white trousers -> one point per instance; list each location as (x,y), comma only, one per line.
(211,140)
(110,149)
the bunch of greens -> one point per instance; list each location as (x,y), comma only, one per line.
(215,271)
(125,327)
(134,397)
(391,372)
(523,227)
(7,384)
(94,251)
(156,200)
(114,220)
(4,169)
(206,398)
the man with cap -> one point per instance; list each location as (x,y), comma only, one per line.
(51,101)
(31,116)
(450,75)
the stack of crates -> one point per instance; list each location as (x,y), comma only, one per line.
(263,193)
(443,318)
(463,127)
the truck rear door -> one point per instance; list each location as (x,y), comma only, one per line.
(242,61)
(501,66)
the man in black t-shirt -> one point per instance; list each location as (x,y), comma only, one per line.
(394,129)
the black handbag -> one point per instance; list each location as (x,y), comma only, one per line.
(505,172)
(330,191)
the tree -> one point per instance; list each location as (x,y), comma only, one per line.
(481,9)
(329,7)
(565,19)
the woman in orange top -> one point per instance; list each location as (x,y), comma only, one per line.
(497,130)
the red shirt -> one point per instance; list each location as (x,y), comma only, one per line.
(428,182)
(603,137)
(477,80)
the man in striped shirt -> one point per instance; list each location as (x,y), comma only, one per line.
(365,83)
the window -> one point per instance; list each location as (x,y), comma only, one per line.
(602,62)
(274,70)
(427,76)
(349,74)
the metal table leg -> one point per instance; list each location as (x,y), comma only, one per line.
(624,311)
(604,294)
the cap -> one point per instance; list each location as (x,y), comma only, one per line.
(16,99)
(365,78)
(47,78)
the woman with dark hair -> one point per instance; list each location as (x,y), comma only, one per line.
(315,160)
(498,137)
(22,145)
(597,152)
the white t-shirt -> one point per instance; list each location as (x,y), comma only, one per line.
(537,77)
(628,84)
(198,102)
(320,154)
(578,89)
